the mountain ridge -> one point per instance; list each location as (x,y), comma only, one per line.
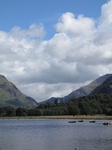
(10,95)
(104,88)
(82,91)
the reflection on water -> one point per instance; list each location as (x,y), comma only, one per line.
(54,134)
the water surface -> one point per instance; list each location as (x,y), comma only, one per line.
(54,134)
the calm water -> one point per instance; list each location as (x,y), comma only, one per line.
(54,134)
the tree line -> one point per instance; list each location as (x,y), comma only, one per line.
(86,105)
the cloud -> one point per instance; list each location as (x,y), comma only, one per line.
(106,15)
(79,52)
(75,26)
(34,31)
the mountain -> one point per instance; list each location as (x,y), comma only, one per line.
(10,95)
(86,90)
(83,91)
(104,88)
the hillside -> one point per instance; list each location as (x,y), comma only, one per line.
(104,88)
(99,101)
(83,91)
(86,90)
(10,95)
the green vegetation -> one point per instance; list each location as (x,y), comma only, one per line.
(93,104)
(10,95)
(87,105)
(14,103)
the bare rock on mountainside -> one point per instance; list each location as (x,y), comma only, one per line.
(10,95)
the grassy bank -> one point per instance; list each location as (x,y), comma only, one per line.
(61,117)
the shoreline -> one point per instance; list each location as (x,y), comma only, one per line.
(95,117)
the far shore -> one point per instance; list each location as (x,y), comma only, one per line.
(95,117)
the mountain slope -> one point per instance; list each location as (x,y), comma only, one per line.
(104,88)
(83,91)
(10,95)
(86,90)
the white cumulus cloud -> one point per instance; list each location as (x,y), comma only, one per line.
(79,52)
(75,25)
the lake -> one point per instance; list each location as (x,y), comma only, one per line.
(54,134)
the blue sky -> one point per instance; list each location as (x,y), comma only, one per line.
(23,13)
(51,48)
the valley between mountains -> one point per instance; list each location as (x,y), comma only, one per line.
(95,98)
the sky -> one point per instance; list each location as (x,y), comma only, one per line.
(51,48)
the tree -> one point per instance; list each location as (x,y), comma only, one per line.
(8,111)
(73,109)
(41,106)
(2,112)
(21,112)
(38,112)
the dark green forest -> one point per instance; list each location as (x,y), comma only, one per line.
(87,105)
